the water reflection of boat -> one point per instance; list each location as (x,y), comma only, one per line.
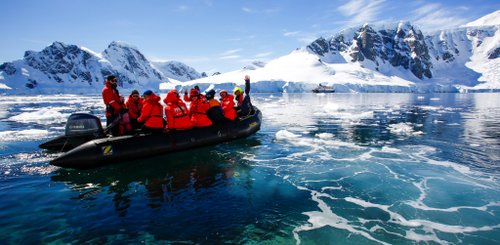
(324,89)
(99,151)
(164,184)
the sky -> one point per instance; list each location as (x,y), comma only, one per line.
(210,35)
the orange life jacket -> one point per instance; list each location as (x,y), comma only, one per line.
(177,112)
(152,112)
(198,111)
(134,107)
(111,99)
(228,107)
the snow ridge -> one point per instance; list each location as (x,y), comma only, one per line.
(66,68)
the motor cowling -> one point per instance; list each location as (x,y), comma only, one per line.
(84,125)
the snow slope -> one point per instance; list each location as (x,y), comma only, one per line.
(302,71)
(487,20)
(392,57)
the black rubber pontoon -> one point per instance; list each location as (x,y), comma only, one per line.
(103,151)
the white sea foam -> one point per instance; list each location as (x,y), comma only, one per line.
(42,116)
(455,166)
(28,134)
(326,217)
(425,225)
(419,203)
(390,149)
(323,140)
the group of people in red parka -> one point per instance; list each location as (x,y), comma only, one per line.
(146,112)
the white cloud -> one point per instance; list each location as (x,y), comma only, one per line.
(262,55)
(433,17)
(361,11)
(248,10)
(182,8)
(291,33)
(229,57)
(308,39)
(230,52)
(233,40)
(263,11)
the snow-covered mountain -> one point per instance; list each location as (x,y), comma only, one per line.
(391,57)
(177,70)
(395,57)
(63,68)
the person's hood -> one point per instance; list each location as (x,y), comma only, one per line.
(153,98)
(229,97)
(171,97)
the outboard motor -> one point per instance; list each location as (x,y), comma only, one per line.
(80,128)
(83,127)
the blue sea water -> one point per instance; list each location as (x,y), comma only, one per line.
(323,169)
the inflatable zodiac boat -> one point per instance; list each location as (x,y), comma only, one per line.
(86,145)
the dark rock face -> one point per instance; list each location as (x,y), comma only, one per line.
(57,58)
(177,70)
(131,60)
(320,46)
(8,68)
(404,46)
(369,42)
(495,54)
(31,84)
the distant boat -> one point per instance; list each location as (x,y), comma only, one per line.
(324,89)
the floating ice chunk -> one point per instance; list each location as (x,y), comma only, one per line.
(28,134)
(286,135)
(331,107)
(41,116)
(403,129)
(325,136)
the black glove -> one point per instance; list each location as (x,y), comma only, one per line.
(123,110)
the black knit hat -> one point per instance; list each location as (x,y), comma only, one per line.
(134,92)
(210,94)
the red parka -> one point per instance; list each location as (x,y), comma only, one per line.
(111,99)
(227,103)
(198,113)
(187,99)
(152,112)
(177,112)
(134,107)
